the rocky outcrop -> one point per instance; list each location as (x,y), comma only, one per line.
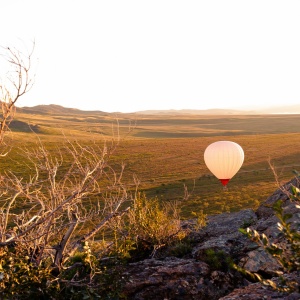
(259,291)
(177,278)
(265,211)
(222,234)
(204,272)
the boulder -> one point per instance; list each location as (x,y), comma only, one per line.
(205,272)
(176,278)
(222,234)
(259,291)
(265,210)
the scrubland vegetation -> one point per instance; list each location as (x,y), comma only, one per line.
(82,193)
(166,166)
(149,185)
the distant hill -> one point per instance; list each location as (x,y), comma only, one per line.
(54,109)
(215,111)
(290,109)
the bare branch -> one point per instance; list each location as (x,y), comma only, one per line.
(21,82)
(97,228)
(61,247)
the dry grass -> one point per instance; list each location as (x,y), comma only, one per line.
(166,153)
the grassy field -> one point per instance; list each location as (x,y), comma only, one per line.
(166,152)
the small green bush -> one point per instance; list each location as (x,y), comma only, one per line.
(20,278)
(218,260)
(153,225)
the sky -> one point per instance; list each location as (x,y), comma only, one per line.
(126,56)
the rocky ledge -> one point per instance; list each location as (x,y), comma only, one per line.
(203,271)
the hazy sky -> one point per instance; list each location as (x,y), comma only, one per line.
(167,54)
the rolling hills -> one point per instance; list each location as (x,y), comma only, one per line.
(166,151)
(169,124)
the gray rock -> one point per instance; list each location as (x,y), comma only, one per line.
(258,261)
(222,234)
(259,291)
(175,278)
(195,277)
(265,210)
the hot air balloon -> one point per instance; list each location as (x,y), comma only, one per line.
(224,159)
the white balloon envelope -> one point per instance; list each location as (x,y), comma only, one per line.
(224,159)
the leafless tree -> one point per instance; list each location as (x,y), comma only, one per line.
(67,197)
(19,81)
(67,200)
